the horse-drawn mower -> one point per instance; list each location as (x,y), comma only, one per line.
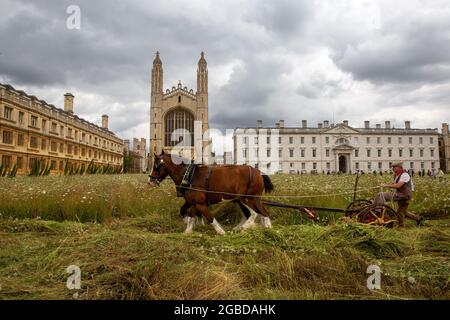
(359,210)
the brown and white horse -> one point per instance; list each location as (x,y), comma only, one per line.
(241,183)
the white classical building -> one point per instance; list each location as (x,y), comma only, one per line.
(335,147)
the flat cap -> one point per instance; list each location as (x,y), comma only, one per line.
(397,164)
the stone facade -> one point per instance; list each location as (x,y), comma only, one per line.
(335,147)
(32,129)
(140,148)
(444,148)
(178,116)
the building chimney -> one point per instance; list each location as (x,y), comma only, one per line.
(387,124)
(105,121)
(367,124)
(445,128)
(345,122)
(320,125)
(407,124)
(378,126)
(68,102)
(304,124)
(281,123)
(277,125)
(259,123)
(326,123)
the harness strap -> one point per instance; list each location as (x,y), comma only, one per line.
(208,175)
(250,177)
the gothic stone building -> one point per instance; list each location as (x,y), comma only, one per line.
(335,148)
(32,129)
(177,113)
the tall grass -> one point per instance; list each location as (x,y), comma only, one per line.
(98,198)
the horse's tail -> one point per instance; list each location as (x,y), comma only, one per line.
(268,186)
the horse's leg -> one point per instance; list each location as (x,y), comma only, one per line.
(203,209)
(265,220)
(251,220)
(183,210)
(190,221)
(246,213)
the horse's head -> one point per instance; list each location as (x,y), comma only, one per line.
(159,170)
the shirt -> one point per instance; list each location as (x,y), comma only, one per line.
(405,177)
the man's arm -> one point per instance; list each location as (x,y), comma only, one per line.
(397,185)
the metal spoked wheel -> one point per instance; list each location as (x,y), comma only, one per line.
(378,215)
(357,206)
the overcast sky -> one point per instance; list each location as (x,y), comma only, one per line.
(316,60)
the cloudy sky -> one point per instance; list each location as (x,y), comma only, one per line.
(316,60)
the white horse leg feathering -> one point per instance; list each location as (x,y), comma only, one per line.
(190,225)
(218,227)
(241,223)
(251,220)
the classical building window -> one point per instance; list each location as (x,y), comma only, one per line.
(44,123)
(411,153)
(19,162)
(268,140)
(400,152)
(380,165)
(54,127)
(421,153)
(53,165)
(280,153)
(61,147)
(357,165)
(432,152)
(327,152)
(369,165)
(410,140)
(279,140)
(389,140)
(182,123)
(378,140)
(21,115)
(7,113)
(314,153)
(268,153)
(313,140)
(302,153)
(33,142)
(6,161)
(400,140)
(291,140)
(302,140)
(327,140)
(20,140)
(390,153)
(368,140)
(7,137)
(53,146)
(368,153)
(61,130)
(411,165)
(431,140)
(291,153)
(420,140)
(356,153)
(379,153)
(43,144)
(33,121)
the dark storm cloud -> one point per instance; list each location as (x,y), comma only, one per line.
(412,50)
(275,50)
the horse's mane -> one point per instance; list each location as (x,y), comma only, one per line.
(177,159)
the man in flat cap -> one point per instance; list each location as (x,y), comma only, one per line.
(403,187)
